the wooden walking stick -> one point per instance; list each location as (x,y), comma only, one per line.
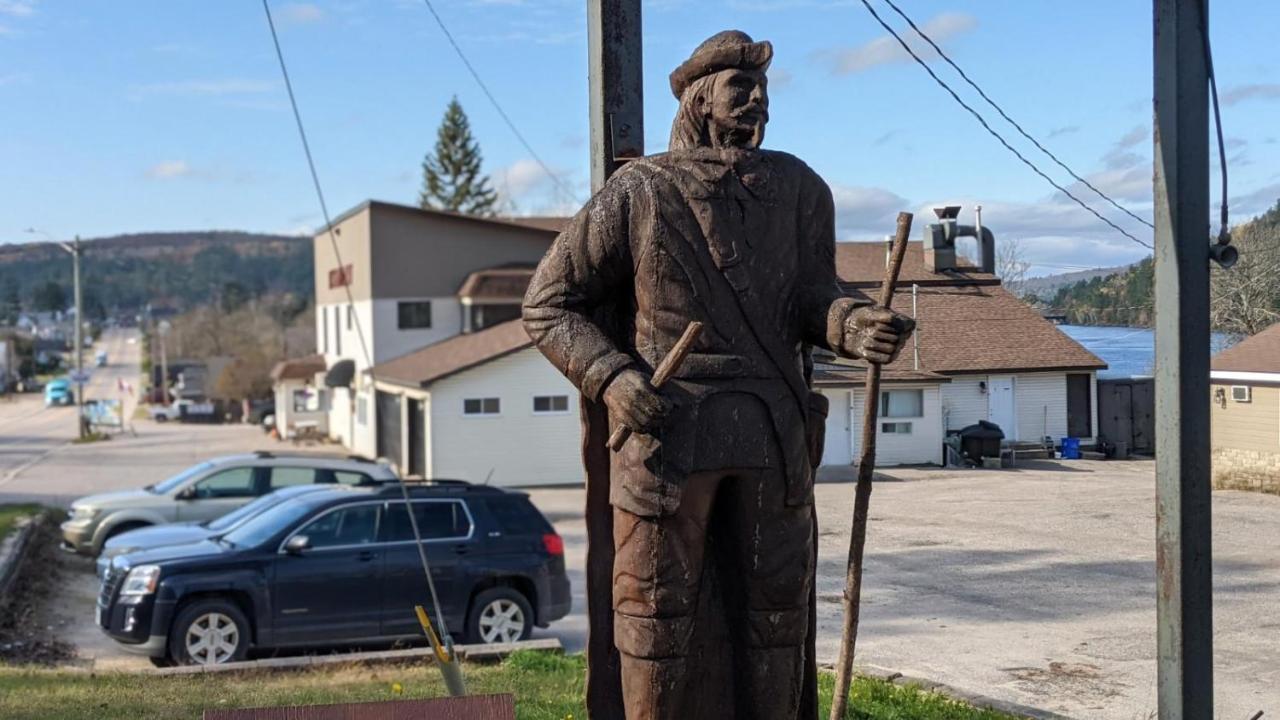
(862,493)
(666,368)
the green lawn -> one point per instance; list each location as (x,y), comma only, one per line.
(9,515)
(547,687)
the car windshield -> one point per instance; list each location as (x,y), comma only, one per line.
(261,527)
(163,488)
(235,517)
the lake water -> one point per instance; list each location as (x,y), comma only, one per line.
(1127,351)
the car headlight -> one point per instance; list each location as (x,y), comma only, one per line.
(83,512)
(142,580)
(109,552)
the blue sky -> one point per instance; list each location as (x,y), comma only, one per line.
(141,115)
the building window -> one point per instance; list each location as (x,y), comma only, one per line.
(414,315)
(902,404)
(324,328)
(1079,405)
(550,404)
(481,406)
(483,316)
(350,311)
(1241,393)
(337,330)
(895,428)
(307,400)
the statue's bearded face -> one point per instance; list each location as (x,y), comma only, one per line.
(737,108)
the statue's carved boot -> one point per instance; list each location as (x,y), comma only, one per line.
(655,689)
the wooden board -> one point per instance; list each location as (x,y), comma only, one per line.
(479,707)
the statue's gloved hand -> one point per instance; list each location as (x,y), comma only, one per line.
(634,402)
(875,333)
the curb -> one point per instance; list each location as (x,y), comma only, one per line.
(979,701)
(472,653)
(13,551)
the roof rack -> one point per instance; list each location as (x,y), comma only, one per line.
(268,454)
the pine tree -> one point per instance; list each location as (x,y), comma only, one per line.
(451,176)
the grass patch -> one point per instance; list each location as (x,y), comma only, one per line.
(9,515)
(546,686)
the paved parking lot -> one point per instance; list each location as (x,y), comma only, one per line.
(1034,585)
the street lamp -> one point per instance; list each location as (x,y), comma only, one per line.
(74,248)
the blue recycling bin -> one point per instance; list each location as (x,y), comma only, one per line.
(1070,448)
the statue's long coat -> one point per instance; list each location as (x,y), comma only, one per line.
(740,240)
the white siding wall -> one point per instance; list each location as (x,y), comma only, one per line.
(365,440)
(1040,400)
(390,341)
(922,446)
(837,449)
(341,416)
(521,448)
(963,402)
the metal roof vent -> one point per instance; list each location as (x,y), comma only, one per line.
(940,241)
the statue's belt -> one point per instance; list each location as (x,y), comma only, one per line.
(715,365)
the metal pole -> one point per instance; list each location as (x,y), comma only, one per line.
(617,85)
(1184,608)
(79,336)
(163,331)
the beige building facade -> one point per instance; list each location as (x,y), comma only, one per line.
(1245,414)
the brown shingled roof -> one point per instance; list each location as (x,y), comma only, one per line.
(1260,353)
(861,264)
(508,283)
(422,367)
(968,323)
(303,368)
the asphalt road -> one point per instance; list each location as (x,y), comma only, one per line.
(29,430)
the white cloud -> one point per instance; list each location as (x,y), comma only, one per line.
(865,211)
(524,186)
(1253,91)
(169,170)
(300,13)
(886,50)
(17,8)
(1064,130)
(520,179)
(205,88)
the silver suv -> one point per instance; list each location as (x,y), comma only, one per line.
(208,490)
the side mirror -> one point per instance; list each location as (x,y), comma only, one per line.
(186,493)
(297,544)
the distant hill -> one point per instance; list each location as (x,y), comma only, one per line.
(1046,286)
(124,273)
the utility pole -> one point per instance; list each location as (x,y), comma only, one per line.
(616,81)
(74,248)
(616,76)
(1184,605)
(162,329)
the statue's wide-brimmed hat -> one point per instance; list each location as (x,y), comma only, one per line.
(731,49)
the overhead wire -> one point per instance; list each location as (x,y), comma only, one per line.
(364,347)
(947,59)
(991,131)
(484,88)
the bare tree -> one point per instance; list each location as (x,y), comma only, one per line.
(1246,298)
(1011,265)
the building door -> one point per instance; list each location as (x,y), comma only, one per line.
(1079,406)
(388,427)
(1001,408)
(837,448)
(417,439)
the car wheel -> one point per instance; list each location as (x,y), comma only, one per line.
(209,632)
(499,615)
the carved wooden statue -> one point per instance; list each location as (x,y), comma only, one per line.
(701,529)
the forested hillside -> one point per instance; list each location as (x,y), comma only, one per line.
(1245,299)
(124,273)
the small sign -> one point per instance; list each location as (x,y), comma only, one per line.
(79,376)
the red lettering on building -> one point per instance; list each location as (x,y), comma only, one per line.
(340,277)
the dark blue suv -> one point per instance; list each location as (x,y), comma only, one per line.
(339,567)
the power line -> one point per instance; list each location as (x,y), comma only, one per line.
(986,126)
(364,347)
(564,189)
(1010,120)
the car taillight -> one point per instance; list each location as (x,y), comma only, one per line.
(553,543)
